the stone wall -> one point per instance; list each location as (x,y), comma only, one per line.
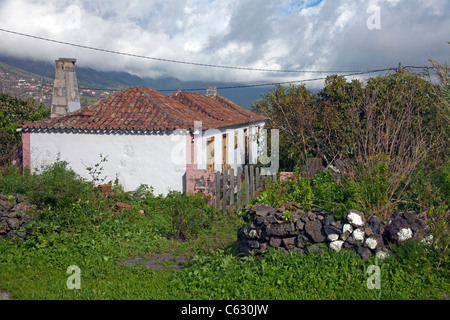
(15,213)
(296,230)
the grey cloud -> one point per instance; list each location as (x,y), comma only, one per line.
(285,34)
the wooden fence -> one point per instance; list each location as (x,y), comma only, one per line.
(231,191)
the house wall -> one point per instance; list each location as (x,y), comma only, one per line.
(235,156)
(158,160)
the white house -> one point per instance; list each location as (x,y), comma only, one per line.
(147,137)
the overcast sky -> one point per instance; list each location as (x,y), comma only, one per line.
(281,34)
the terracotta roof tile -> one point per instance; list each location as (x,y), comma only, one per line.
(145,109)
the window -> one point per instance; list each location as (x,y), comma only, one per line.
(224,153)
(210,153)
(245,147)
(250,146)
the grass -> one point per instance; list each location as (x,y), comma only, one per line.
(324,275)
(88,232)
(39,271)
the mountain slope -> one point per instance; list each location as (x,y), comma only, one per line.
(93,79)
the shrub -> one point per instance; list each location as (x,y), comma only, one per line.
(188,215)
(56,186)
(413,256)
(321,191)
(371,185)
(439,222)
(13,111)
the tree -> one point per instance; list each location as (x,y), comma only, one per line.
(382,131)
(14,111)
(291,110)
(336,101)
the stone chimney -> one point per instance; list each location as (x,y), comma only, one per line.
(211,91)
(65,88)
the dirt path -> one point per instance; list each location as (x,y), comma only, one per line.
(4,295)
(159,261)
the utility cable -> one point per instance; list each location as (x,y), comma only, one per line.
(174,61)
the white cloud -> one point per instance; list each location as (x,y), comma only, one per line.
(287,34)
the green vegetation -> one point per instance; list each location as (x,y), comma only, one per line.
(90,232)
(86,100)
(390,137)
(13,111)
(321,191)
(323,275)
(384,135)
(87,230)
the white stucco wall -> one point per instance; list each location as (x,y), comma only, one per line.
(235,156)
(157,160)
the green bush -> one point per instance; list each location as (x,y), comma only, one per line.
(188,215)
(439,222)
(371,185)
(13,111)
(428,188)
(57,186)
(177,215)
(413,256)
(321,191)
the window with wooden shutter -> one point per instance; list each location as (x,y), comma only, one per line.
(245,146)
(224,153)
(210,153)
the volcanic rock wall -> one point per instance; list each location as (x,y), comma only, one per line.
(15,213)
(298,231)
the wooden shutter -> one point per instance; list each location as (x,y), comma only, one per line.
(224,153)
(210,153)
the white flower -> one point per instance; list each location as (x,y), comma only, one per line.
(427,239)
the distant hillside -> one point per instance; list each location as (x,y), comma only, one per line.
(92,79)
(21,73)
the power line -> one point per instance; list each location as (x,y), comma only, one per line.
(252,85)
(261,84)
(175,61)
(348,73)
(294,81)
(255,85)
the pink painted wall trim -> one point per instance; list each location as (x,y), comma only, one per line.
(284,176)
(197,180)
(26,150)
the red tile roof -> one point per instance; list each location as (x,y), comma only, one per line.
(217,107)
(145,109)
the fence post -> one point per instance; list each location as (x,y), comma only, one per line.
(252,182)
(225,191)
(246,184)
(217,189)
(258,180)
(239,185)
(232,189)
